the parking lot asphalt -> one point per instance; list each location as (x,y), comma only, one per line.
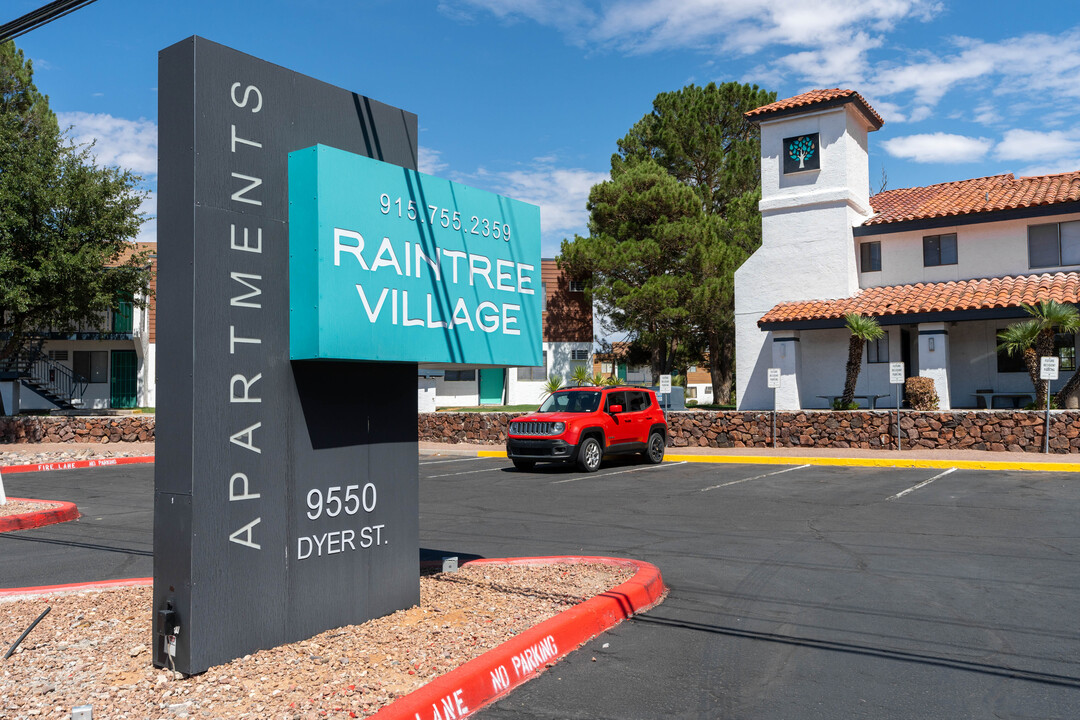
(795,590)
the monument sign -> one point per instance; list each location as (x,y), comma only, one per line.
(286,497)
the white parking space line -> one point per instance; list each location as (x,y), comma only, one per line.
(924,483)
(467,472)
(620,472)
(756,477)
(436,462)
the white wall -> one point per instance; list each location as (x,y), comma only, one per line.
(984,250)
(807,250)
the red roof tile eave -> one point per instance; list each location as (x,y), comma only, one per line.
(981,294)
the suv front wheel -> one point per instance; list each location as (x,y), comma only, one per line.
(589,455)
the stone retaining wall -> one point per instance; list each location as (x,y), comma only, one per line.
(77,429)
(998,430)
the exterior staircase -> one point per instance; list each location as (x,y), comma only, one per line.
(49,379)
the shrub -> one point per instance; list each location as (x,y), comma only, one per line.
(921,393)
(838,404)
(691,403)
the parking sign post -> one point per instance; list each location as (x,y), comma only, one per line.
(896,377)
(665,390)
(774,382)
(1048,370)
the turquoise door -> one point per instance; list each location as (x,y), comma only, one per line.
(123,384)
(491,386)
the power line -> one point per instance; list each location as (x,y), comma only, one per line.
(39,17)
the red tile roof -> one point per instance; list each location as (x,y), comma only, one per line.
(806,100)
(981,195)
(979,294)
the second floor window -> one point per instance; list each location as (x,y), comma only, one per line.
(870,253)
(939,250)
(1065,349)
(577,286)
(579,355)
(1054,244)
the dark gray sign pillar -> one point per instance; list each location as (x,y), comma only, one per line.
(285,493)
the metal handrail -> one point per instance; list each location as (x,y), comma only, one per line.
(57,379)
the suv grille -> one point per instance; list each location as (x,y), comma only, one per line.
(532,428)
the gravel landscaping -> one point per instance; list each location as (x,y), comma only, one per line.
(94,648)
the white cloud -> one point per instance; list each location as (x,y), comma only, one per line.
(1036,69)
(148,231)
(129,144)
(561,194)
(938,148)
(430,161)
(1068,164)
(1030,145)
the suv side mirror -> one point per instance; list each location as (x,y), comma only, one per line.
(615,409)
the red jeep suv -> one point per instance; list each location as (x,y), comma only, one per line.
(583,424)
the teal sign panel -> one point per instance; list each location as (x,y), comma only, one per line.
(392,265)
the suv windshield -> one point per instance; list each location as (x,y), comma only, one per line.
(579,401)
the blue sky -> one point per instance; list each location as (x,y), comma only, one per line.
(527,98)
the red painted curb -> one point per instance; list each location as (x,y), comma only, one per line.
(75,464)
(481,681)
(26,521)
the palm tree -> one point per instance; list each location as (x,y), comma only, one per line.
(553,383)
(862,329)
(581,376)
(1019,339)
(1048,318)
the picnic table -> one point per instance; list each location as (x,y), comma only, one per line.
(870,400)
(985,398)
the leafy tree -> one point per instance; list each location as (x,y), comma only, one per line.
(641,227)
(700,137)
(862,329)
(64,222)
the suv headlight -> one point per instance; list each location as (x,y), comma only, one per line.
(557,428)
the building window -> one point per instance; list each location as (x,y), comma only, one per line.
(1054,244)
(91,364)
(58,355)
(577,286)
(939,250)
(1065,349)
(538,372)
(543,297)
(877,351)
(708,390)
(692,368)
(606,368)
(460,376)
(1007,363)
(871,256)
(579,355)
(691,393)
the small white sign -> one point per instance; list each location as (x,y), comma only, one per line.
(665,384)
(896,373)
(1048,368)
(774,377)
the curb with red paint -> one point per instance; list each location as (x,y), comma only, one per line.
(76,464)
(479,682)
(27,521)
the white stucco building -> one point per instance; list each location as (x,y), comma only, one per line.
(942,268)
(567,344)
